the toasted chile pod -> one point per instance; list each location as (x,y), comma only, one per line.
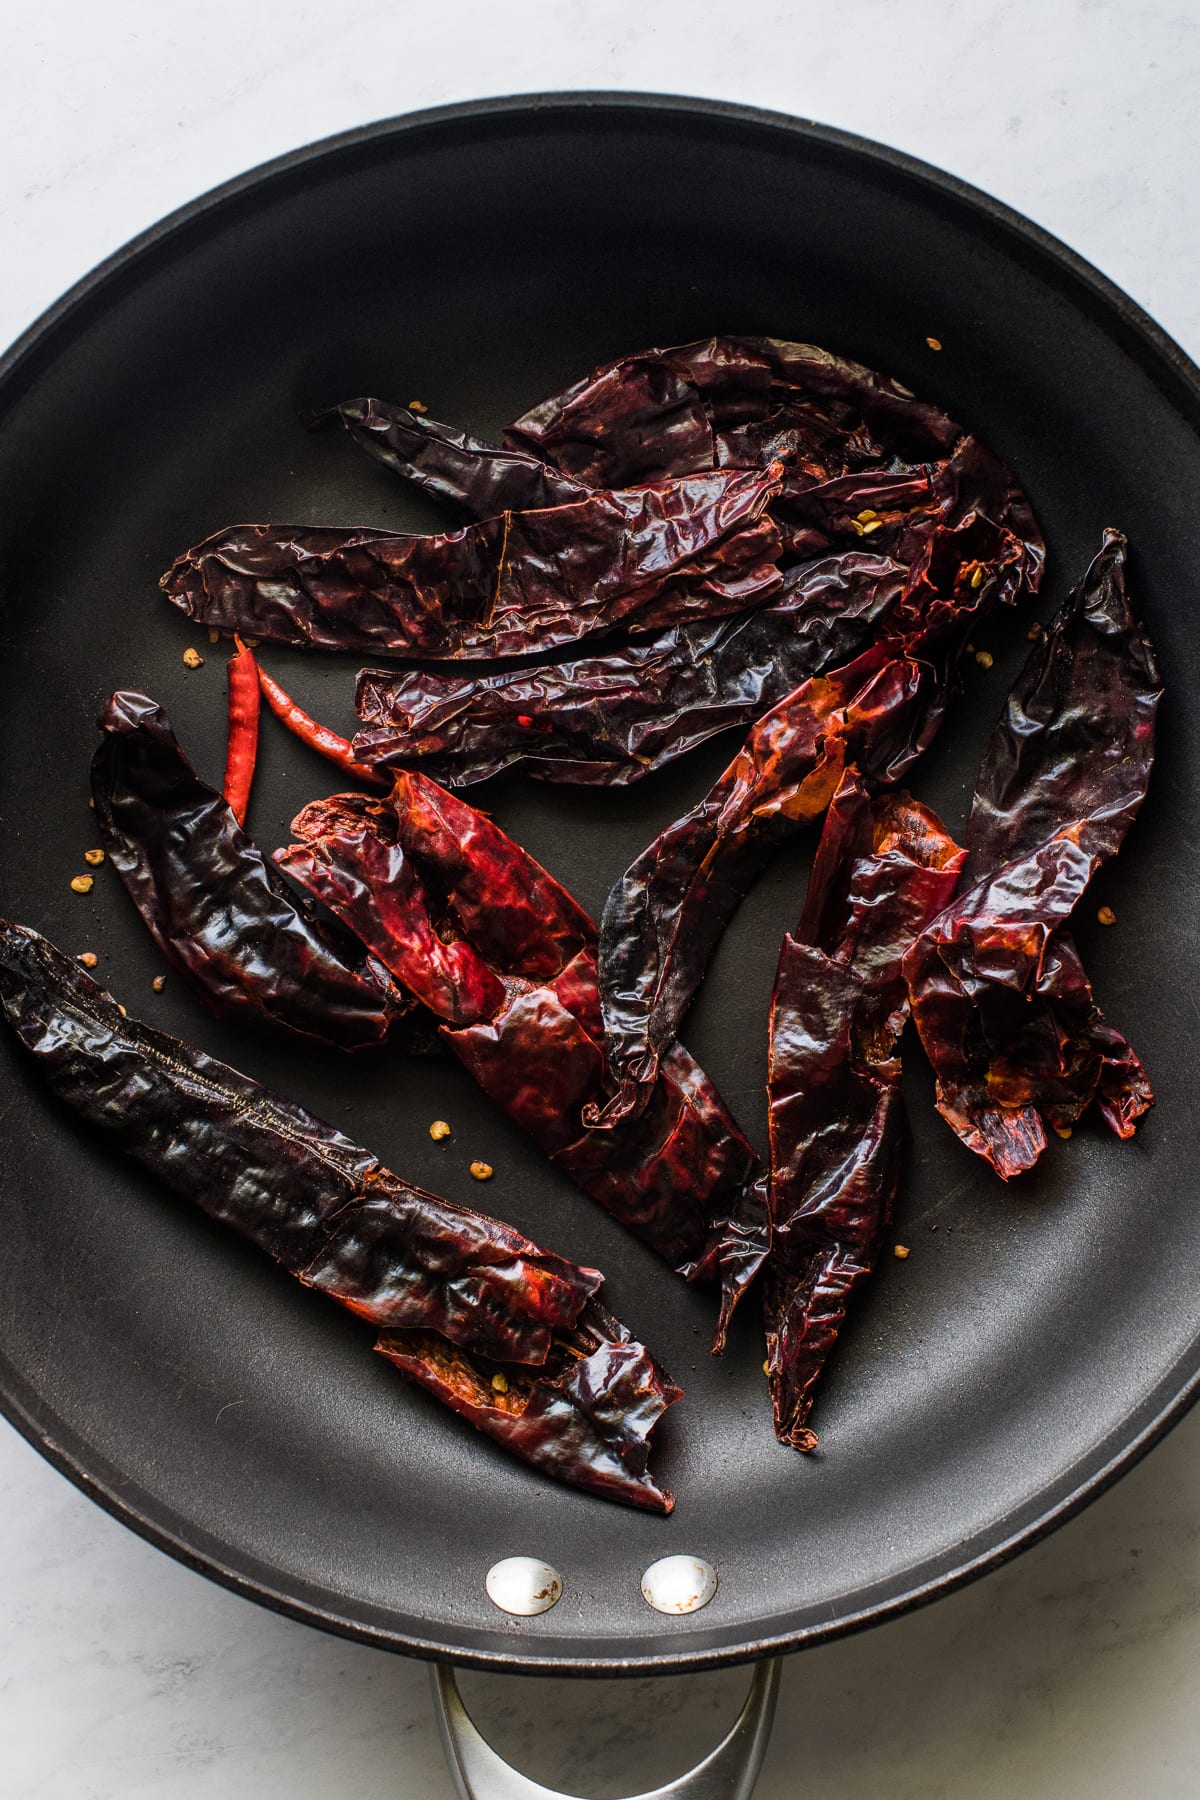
(466,1305)
(215,906)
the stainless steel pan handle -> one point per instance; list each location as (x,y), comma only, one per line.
(728,1773)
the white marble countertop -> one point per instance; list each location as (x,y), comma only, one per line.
(1071,1674)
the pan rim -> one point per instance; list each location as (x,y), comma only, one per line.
(1159,357)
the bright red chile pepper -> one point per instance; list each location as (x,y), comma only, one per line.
(241,673)
(329,744)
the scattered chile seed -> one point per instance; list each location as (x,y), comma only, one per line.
(88,958)
(482,1171)
(984,658)
(95,857)
(900,1250)
(159,983)
(1107,916)
(82,884)
(1063,1131)
(500,1382)
(193,658)
(438,1130)
(417,406)
(214,636)
(934,343)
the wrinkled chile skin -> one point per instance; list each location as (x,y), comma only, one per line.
(999,996)
(533,1039)
(698,547)
(215,905)
(883,870)
(446,1284)
(665,915)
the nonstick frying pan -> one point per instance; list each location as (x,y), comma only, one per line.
(1032,1345)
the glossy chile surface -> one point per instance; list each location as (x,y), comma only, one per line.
(189,359)
(839,431)
(665,915)
(999,995)
(698,547)
(884,868)
(215,905)
(502,1332)
(479,932)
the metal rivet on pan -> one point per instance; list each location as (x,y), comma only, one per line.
(679,1584)
(523,1585)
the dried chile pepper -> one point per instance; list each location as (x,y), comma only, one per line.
(665,915)
(608,720)
(895,514)
(585,1417)
(999,996)
(883,870)
(214,904)
(329,744)
(467,1306)
(425,867)
(481,478)
(731,402)
(241,674)
(698,547)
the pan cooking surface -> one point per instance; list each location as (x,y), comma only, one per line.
(479,259)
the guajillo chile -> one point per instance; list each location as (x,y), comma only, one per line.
(666,914)
(472,926)
(241,674)
(1003,1006)
(503,1332)
(731,402)
(607,720)
(480,478)
(699,547)
(862,457)
(884,868)
(216,907)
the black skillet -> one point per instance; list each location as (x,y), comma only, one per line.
(1032,1345)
